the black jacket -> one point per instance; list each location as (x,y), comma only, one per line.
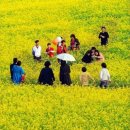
(46,76)
(65,74)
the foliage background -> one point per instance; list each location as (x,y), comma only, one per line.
(31,106)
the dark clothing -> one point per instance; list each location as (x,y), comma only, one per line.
(46,76)
(11,70)
(74,43)
(87,58)
(65,74)
(104,40)
(104,84)
(37,58)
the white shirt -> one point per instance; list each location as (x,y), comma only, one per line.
(104,74)
(37,51)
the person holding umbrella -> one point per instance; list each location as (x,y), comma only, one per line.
(65,73)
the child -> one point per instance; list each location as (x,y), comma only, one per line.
(46,75)
(104,76)
(50,50)
(104,36)
(64,48)
(84,77)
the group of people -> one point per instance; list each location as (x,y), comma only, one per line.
(47,76)
(92,55)
(17,72)
(61,47)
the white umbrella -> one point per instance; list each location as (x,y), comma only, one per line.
(65,57)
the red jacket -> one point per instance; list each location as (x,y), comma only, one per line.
(59,49)
(50,51)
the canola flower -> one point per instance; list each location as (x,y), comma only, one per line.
(34,107)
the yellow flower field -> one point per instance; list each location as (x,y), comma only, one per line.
(34,107)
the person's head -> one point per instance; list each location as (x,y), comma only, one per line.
(47,64)
(103,29)
(104,65)
(93,49)
(37,42)
(97,53)
(63,63)
(19,63)
(15,60)
(49,44)
(72,36)
(63,42)
(84,69)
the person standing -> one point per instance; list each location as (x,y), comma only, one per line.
(64,48)
(46,75)
(65,73)
(85,77)
(36,51)
(104,36)
(18,73)
(50,50)
(15,60)
(104,76)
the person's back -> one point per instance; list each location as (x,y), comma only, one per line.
(85,77)
(65,73)
(104,76)
(46,75)
(17,73)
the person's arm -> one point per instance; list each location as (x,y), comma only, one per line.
(100,56)
(90,77)
(40,77)
(107,35)
(99,35)
(33,51)
(77,41)
(101,75)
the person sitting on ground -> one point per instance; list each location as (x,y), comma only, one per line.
(104,36)
(74,43)
(50,50)
(36,51)
(65,73)
(15,60)
(85,77)
(18,73)
(99,56)
(64,48)
(104,76)
(46,75)
(88,57)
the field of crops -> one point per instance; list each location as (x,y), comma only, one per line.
(33,107)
